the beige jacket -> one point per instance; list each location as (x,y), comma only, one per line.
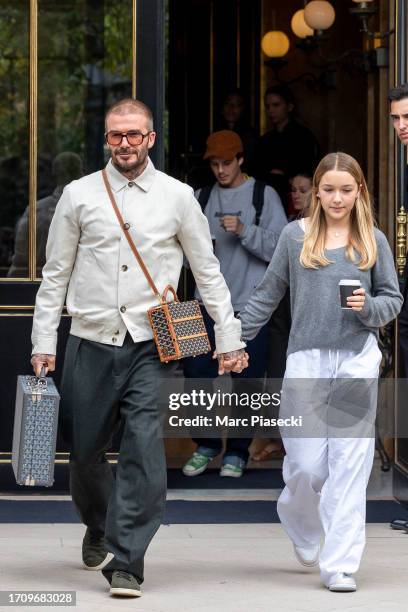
(89,261)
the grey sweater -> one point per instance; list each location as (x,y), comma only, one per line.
(317,319)
(244,258)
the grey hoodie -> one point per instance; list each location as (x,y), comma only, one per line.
(244,258)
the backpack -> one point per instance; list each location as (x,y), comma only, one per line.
(257,198)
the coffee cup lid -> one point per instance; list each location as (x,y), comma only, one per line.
(348,281)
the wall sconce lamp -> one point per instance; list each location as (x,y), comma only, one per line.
(310,24)
(319,15)
(363,12)
(299,25)
(275,44)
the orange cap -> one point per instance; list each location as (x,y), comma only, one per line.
(225,144)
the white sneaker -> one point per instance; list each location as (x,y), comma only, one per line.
(309,557)
(342,583)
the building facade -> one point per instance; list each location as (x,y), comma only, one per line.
(64,62)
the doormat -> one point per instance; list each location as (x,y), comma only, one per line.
(183,512)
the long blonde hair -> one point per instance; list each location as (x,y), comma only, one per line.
(361,236)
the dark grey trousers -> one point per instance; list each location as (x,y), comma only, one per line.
(101,385)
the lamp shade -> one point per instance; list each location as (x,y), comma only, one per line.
(275,43)
(319,14)
(299,25)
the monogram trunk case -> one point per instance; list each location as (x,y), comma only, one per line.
(35,431)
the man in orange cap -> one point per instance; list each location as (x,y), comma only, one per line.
(245,219)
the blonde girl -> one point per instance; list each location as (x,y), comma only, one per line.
(326,475)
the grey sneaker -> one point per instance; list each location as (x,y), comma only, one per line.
(197,464)
(124,584)
(94,555)
(342,583)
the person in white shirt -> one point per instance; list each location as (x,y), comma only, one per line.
(112,371)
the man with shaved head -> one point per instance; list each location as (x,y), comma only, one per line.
(112,371)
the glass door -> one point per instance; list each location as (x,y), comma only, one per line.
(62,63)
(401,198)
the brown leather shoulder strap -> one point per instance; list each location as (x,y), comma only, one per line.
(128,236)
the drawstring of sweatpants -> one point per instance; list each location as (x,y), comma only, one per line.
(336,365)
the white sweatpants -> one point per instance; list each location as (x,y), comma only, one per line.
(326,478)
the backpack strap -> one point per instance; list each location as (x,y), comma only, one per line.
(204,196)
(258,199)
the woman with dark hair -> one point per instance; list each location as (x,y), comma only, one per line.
(288,147)
(234,116)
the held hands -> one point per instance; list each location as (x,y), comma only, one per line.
(38,360)
(235,361)
(357,300)
(232,223)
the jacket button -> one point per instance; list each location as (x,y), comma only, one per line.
(114,339)
(124,268)
(117,332)
(126,226)
(123,309)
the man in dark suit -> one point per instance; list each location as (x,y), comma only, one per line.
(398,98)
